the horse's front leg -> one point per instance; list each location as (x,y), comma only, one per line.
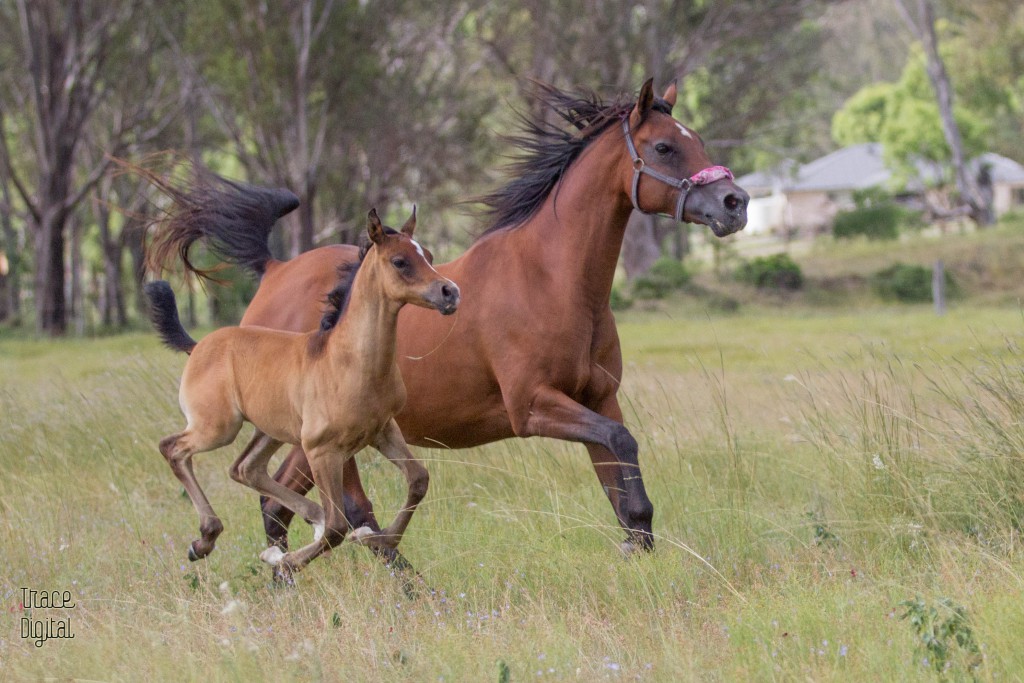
(328,468)
(295,474)
(391,444)
(553,414)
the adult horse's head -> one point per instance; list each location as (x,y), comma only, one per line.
(670,173)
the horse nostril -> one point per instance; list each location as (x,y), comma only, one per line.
(733,202)
(446,291)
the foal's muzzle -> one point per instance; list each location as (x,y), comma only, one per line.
(444,296)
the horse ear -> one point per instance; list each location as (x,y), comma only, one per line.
(374,228)
(410,224)
(670,94)
(643,104)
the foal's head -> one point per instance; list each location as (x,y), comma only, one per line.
(405,267)
(676,176)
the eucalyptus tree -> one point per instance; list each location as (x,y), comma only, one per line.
(69,61)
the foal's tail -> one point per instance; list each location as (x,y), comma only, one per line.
(163,311)
(233,219)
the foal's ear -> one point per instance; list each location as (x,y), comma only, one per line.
(374,228)
(670,94)
(410,224)
(643,104)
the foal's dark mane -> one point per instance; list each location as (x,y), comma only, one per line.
(550,149)
(337,299)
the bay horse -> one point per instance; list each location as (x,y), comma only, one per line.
(534,350)
(333,391)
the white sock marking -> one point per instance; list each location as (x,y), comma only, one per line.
(272,556)
(318,532)
(359,534)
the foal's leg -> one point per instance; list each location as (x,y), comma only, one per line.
(328,472)
(392,444)
(296,474)
(251,469)
(178,449)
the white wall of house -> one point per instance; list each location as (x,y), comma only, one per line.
(1007,197)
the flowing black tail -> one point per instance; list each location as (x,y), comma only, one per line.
(233,219)
(163,311)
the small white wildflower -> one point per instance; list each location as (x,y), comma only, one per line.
(876,460)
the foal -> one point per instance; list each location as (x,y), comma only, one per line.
(332,391)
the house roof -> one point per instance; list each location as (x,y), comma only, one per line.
(858,167)
(1003,170)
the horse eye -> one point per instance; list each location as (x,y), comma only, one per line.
(662,148)
(399,262)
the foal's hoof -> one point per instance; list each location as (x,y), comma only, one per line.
(361,535)
(377,540)
(195,553)
(272,556)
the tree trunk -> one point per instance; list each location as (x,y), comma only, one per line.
(50,304)
(923,28)
(11,289)
(133,236)
(640,246)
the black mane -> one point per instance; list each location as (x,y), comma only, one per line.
(549,149)
(337,298)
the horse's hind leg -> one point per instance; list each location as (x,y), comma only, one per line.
(251,469)
(178,450)
(392,445)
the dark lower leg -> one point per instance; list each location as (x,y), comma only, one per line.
(295,474)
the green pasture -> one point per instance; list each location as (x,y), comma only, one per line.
(812,471)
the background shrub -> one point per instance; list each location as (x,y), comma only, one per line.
(666,275)
(876,216)
(909,283)
(778,271)
(878,222)
(619,301)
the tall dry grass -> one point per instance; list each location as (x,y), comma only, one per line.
(803,491)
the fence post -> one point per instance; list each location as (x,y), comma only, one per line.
(939,287)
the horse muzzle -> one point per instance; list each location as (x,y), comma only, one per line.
(721,205)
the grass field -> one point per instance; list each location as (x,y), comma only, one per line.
(811,473)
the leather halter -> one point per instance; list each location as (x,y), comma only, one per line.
(684,185)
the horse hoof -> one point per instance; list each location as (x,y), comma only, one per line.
(362,535)
(194,555)
(272,556)
(629,548)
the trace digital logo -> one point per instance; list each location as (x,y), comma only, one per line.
(45,615)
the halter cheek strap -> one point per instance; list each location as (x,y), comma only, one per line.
(684,185)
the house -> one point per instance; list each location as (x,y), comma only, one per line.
(793,198)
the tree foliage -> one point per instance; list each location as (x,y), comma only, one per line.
(353,104)
(904,117)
